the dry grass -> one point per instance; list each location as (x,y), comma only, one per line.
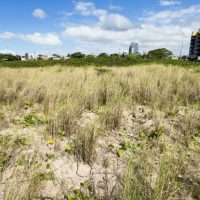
(56,98)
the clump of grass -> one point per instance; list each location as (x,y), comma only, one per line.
(166,183)
(189,127)
(85,143)
(29,180)
(135,185)
(142,182)
(110,117)
(65,122)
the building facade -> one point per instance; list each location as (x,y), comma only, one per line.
(195,44)
(133,48)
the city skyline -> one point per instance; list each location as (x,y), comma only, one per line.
(96,26)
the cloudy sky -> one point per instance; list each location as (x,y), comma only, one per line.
(93,26)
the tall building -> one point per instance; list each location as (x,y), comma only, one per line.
(133,48)
(195,44)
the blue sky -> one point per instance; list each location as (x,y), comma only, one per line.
(65,26)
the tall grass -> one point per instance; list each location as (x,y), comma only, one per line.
(51,87)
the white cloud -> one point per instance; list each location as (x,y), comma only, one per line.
(89,8)
(43,39)
(85,8)
(173,16)
(156,30)
(146,34)
(39,13)
(6,35)
(169,3)
(115,22)
(49,39)
(114,7)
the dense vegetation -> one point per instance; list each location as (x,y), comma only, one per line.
(9,57)
(100,133)
(100,61)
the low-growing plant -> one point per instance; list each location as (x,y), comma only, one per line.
(33,119)
(151,134)
(50,155)
(22,140)
(159,131)
(85,192)
(120,152)
(49,176)
(68,148)
(125,145)
(4,141)
(21,161)
(3,160)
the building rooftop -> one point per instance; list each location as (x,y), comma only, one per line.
(194,33)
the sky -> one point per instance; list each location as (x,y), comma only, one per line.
(94,26)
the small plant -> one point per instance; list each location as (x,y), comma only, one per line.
(4,140)
(85,192)
(156,134)
(22,140)
(172,113)
(125,145)
(21,161)
(48,166)
(120,152)
(111,146)
(33,119)
(46,176)
(71,197)
(51,141)
(28,103)
(2,115)
(68,148)
(150,135)
(61,132)
(3,160)
(50,155)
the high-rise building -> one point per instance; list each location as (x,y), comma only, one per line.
(195,44)
(133,48)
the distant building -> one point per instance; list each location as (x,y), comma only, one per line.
(195,44)
(42,57)
(26,57)
(56,57)
(133,48)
